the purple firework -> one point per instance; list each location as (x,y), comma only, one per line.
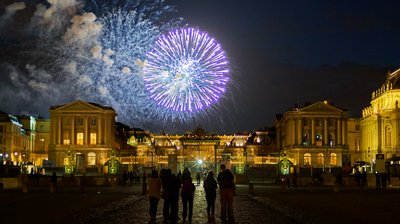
(186,70)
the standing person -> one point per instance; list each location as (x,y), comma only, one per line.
(154,194)
(227,188)
(165,194)
(210,187)
(173,194)
(53,179)
(198,178)
(187,194)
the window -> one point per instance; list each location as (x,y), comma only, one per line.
(333,161)
(93,121)
(1,128)
(79,121)
(305,122)
(357,127)
(331,139)
(93,138)
(388,136)
(305,140)
(79,138)
(91,159)
(332,122)
(307,159)
(65,121)
(66,138)
(320,159)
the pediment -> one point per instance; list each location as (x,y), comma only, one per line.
(78,106)
(321,107)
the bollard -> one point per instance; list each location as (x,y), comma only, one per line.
(251,189)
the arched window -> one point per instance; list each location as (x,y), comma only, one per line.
(388,135)
(91,159)
(320,159)
(307,159)
(333,161)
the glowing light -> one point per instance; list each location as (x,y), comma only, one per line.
(186,70)
(200,161)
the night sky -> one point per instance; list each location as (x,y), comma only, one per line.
(282,53)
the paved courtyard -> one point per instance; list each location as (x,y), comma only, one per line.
(124,204)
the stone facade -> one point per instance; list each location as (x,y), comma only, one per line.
(380,122)
(81,134)
(315,135)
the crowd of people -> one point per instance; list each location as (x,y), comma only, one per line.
(169,186)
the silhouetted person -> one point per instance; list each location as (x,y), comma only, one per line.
(210,187)
(53,180)
(155,185)
(187,194)
(198,178)
(227,188)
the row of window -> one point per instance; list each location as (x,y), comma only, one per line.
(320,159)
(91,159)
(79,138)
(79,121)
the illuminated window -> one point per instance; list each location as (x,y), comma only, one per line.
(320,159)
(333,159)
(66,138)
(91,159)
(307,159)
(79,138)
(93,138)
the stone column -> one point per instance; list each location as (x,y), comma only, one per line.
(58,132)
(86,135)
(325,131)
(99,130)
(73,130)
(299,132)
(339,131)
(344,131)
(312,132)
(294,132)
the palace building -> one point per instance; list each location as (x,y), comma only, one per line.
(82,135)
(380,122)
(318,135)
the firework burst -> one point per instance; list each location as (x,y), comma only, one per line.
(186,70)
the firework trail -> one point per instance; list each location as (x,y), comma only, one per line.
(93,51)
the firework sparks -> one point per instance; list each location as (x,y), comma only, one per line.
(186,70)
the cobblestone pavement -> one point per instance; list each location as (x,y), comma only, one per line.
(134,209)
(324,205)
